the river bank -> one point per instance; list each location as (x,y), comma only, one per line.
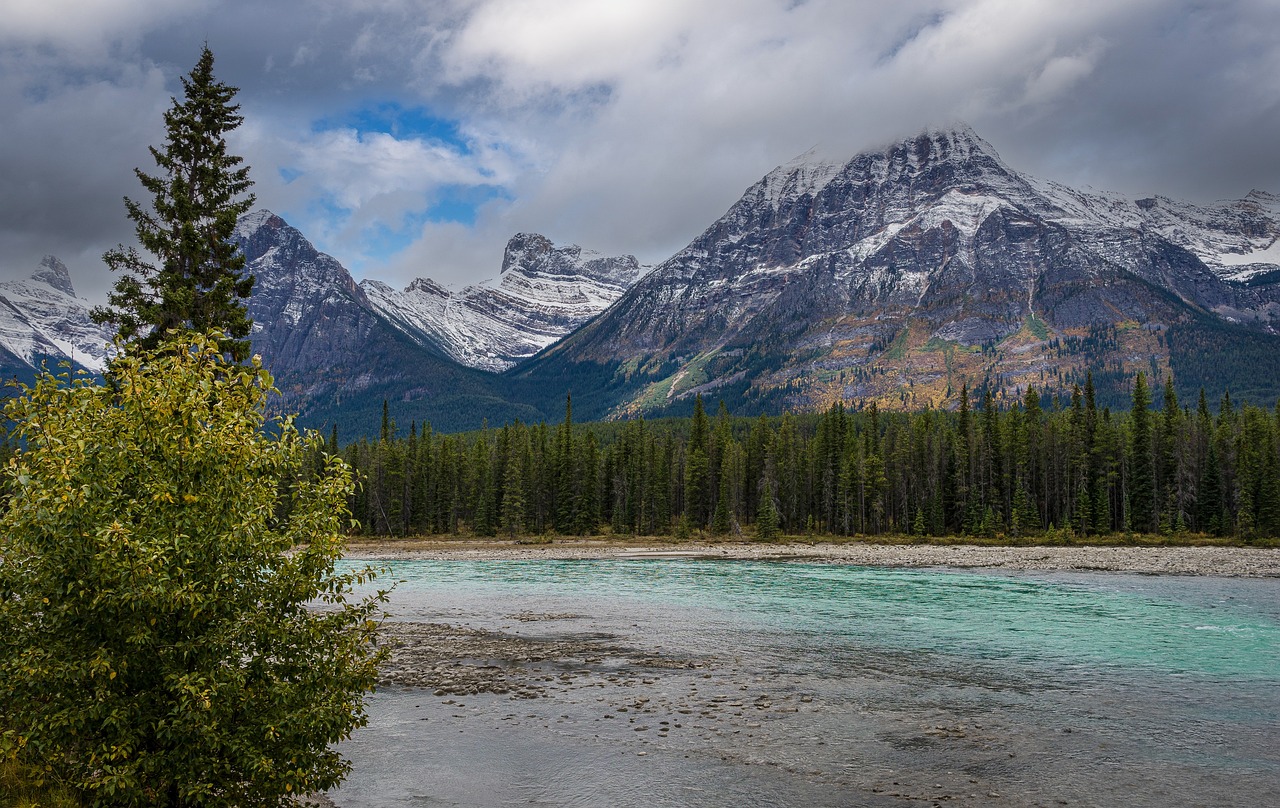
(680,682)
(1227,561)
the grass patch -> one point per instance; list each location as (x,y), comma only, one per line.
(655,395)
(1038,327)
(695,371)
(21,787)
(938,344)
(897,350)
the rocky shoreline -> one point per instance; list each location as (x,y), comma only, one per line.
(1242,562)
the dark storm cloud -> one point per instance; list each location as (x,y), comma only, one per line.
(63,150)
(627,126)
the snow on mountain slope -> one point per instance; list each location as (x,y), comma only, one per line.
(912,269)
(543,293)
(1237,239)
(42,319)
(336,357)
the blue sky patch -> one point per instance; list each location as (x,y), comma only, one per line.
(378,243)
(402,123)
(381,241)
(460,203)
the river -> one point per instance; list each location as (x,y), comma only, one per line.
(765,683)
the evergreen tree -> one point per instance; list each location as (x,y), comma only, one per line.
(513,500)
(1171,495)
(962,467)
(568,486)
(697,484)
(1268,502)
(845,472)
(198,194)
(589,509)
(787,464)
(1142,504)
(1209,505)
(484,490)
(767,516)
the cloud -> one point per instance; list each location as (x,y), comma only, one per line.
(1061,72)
(626,126)
(81,29)
(572,43)
(358,191)
(353,169)
(66,161)
(662,113)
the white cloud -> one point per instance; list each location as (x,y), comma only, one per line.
(571,42)
(354,169)
(650,117)
(341,185)
(1062,72)
(84,28)
(66,160)
(624,125)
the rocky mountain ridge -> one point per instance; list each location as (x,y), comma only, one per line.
(544,292)
(336,356)
(43,321)
(907,272)
(898,276)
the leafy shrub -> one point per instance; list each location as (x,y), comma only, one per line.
(172,627)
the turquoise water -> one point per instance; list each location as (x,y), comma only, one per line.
(1191,626)
(1101,688)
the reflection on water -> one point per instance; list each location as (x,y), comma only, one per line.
(834,685)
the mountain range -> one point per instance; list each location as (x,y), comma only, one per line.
(897,276)
(904,273)
(544,292)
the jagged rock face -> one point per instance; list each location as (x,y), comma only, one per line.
(335,356)
(307,311)
(925,265)
(543,293)
(41,319)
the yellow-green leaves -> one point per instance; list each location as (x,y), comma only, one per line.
(161,548)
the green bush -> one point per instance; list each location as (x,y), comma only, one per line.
(172,627)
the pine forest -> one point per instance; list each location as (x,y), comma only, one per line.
(1041,469)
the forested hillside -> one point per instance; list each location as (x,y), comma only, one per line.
(982,471)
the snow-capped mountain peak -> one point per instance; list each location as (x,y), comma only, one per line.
(42,320)
(932,245)
(542,293)
(54,273)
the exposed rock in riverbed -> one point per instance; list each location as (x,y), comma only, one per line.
(457,661)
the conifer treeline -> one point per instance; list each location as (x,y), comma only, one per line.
(978,471)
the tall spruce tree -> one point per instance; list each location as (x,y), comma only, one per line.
(1142,485)
(198,193)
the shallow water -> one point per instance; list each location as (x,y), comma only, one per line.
(823,684)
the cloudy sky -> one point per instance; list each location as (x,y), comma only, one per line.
(413,137)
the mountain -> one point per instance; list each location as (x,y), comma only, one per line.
(544,293)
(897,276)
(906,272)
(42,320)
(336,357)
